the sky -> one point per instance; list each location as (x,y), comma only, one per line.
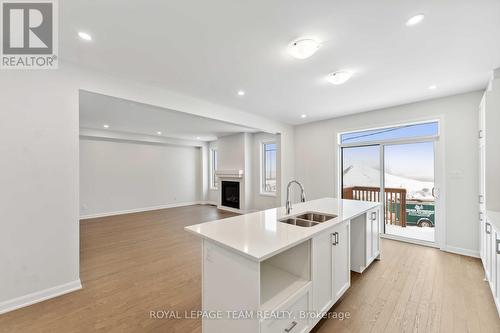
(415,161)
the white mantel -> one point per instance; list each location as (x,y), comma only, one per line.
(229,173)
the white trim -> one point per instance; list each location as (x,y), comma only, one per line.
(409,240)
(144,209)
(39,296)
(262,166)
(462,251)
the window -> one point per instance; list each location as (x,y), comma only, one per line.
(268,172)
(213,169)
(392,133)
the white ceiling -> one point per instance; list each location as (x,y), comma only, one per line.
(121,115)
(212,49)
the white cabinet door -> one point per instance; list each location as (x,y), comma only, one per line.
(376,233)
(497,267)
(487,249)
(482,238)
(369,237)
(372,235)
(341,260)
(322,269)
(493,259)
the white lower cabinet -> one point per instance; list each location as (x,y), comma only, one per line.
(365,240)
(330,266)
(490,256)
(295,315)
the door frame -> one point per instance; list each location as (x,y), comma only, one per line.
(439,172)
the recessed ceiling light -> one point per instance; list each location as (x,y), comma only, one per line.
(241,93)
(432,87)
(415,20)
(105,126)
(198,138)
(159,133)
(304,48)
(339,77)
(84,35)
(303,116)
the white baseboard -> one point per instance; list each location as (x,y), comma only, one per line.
(139,210)
(464,252)
(39,296)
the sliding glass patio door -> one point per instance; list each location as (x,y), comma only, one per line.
(409,186)
(396,167)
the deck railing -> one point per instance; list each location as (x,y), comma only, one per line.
(395,201)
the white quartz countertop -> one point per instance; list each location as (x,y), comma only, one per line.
(260,235)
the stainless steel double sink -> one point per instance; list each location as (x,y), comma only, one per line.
(307,219)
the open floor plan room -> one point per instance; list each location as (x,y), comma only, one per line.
(284,166)
(409,290)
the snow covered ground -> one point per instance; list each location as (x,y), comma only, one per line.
(413,232)
(362,175)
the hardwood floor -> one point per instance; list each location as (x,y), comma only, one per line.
(137,263)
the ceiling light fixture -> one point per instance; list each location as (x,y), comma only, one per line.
(105,126)
(303,116)
(241,93)
(84,36)
(432,87)
(339,77)
(304,48)
(159,133)
(415,20)
(198,138)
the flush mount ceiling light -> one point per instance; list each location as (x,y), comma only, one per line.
(304,48)
(339,77)
(241,93)
(198,138)
(84,36)
(432,87)
(159,133)
(105,126)
(303,116)
(415,20)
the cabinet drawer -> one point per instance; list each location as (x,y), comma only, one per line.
(295,323)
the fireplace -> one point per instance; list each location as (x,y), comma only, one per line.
(230,194)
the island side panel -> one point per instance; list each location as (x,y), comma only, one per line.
(230,282)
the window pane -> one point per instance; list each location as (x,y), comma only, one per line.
(269,167)
(392,133)
(214,168)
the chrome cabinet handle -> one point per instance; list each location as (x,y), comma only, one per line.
(291,327)
(498,243)
(335,238)
(481,216)
(481,199)
(374,216)
(487,230)
(480,134)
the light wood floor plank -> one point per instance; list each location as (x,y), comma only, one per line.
(132,264)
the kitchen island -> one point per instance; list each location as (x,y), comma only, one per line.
(266,272)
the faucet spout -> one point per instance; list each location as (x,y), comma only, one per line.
(302,195)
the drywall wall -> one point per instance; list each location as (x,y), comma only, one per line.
(39,231)
(121,176)
(316,152)
(39,183)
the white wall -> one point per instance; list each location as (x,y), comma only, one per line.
(316,157)
(120,176)
(39,190)
(39,231)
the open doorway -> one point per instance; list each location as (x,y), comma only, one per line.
(396,167)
